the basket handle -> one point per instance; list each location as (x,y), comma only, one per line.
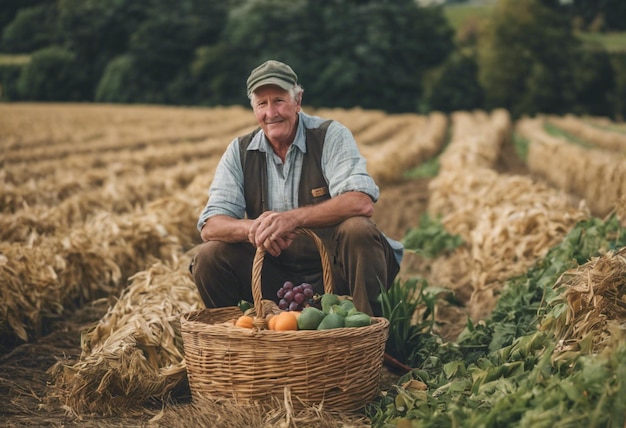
(257,265)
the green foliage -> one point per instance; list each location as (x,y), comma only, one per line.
(521,145)
(618,61)
(605,15)
(559,132)
(378,54)
(410,335)
(610,42)
(502,372)
(525,59)
(371,54)
(120,82)
(53,74)
(523,300)
(10,8)
(9,76)
(33,28)
(459,15)
(427,169)
(430,239)
(453,86)
(594,82)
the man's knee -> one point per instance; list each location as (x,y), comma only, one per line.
(359,230)
(212,256)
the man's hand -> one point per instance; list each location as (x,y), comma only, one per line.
(273,231)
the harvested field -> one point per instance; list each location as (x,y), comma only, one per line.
(98,207)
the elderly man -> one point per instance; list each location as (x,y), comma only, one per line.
(295,171)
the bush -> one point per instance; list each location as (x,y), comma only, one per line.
(53,74)
(119,83)
(9,75)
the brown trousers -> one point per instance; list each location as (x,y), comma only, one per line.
(361,260)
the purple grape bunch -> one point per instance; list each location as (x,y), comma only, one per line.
(294,297)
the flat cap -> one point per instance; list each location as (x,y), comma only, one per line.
(272,73)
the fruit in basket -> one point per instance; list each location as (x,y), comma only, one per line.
(328,300)
(244,305)
(331,321)
(245,321)
(338,309)
(285,321)
(357,319)
(310,318)
(347,304)
(271,321)
(294,298)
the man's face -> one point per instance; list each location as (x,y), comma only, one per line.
(277,114)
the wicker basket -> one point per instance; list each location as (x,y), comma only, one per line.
(339,368)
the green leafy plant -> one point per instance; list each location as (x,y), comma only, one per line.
(430,239)
(501,372)
(410,309)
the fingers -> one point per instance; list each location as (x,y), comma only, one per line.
(276,246)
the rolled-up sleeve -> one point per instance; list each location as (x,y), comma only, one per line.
(226,196)
(344,166)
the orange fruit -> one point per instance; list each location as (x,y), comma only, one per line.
(271,321)
(245,321)
(285,321)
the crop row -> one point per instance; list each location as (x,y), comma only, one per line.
(506,221)
(590,133)
(597,176)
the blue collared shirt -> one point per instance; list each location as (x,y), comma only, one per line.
(343,167)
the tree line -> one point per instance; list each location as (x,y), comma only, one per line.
(391,55)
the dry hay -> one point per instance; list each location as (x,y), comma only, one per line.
(356,119)
(135,353)
(31,132)
(381,130)
(476,139)
(595,295)
(277,413)
(603,138)
(42,280)
(507,223)
(403,151)
(597,176)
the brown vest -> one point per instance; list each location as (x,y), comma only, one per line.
(313,187)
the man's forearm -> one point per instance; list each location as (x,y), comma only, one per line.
(225,228)
(335,210)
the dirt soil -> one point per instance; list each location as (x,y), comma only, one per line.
(24,380)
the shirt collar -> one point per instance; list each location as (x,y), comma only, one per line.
(260,143)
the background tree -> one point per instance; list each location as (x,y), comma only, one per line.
(347,53)
(32,28)
(454,85)
(10,8)
(609,15)
(525,59)
(53,74)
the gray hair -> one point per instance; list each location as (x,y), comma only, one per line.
(295,93)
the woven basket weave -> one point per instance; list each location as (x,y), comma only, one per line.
(339,368)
